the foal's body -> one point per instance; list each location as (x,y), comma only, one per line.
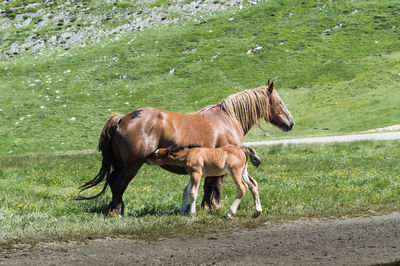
(203,162)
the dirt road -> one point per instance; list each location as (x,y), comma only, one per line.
(329,139)
(354,241)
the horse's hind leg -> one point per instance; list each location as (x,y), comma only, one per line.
(119,181)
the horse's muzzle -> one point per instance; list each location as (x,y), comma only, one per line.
(288,126)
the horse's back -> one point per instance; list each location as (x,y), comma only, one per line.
(143,130)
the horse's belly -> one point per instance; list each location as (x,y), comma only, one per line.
(175,169)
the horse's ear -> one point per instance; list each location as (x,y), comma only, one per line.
(270,87)
(268,83)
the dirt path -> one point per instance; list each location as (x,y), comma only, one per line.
(354,241)
(329,139)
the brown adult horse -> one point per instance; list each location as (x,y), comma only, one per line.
(127,140)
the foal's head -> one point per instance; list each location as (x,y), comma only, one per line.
(158,157)
(164,156)
(278,114)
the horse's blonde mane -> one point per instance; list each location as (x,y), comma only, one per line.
(206,108)
(247,106)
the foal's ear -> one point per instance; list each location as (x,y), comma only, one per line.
(268,83)
(270,87)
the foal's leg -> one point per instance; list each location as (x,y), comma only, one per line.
(185,196)
(195,178)
(236,175)
(254,190)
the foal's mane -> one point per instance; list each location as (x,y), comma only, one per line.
(247,106)
(175,148)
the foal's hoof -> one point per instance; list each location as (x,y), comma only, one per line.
(256,214)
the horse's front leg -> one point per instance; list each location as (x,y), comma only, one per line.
(212,192)
(195,178)
(185,196)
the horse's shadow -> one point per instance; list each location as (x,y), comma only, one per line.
(101,207)
(151,210)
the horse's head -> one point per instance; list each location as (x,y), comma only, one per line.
(278,114)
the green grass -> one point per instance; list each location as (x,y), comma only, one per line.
(334,82)
(342,82)
(37,200)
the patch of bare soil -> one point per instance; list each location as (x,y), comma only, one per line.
(354,241)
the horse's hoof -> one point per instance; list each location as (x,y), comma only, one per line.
(114,215)
(215,204)
(206,205)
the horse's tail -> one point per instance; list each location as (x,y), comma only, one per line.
(105,147)
(255,160)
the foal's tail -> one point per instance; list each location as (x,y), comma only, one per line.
(105,147)
(255,160)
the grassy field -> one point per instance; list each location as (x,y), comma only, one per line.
(36,203)
(336,65)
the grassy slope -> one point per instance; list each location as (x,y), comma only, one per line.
(342,82)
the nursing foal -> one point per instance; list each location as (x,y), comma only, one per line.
(203,162)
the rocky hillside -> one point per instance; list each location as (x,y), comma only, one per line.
(31,26)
